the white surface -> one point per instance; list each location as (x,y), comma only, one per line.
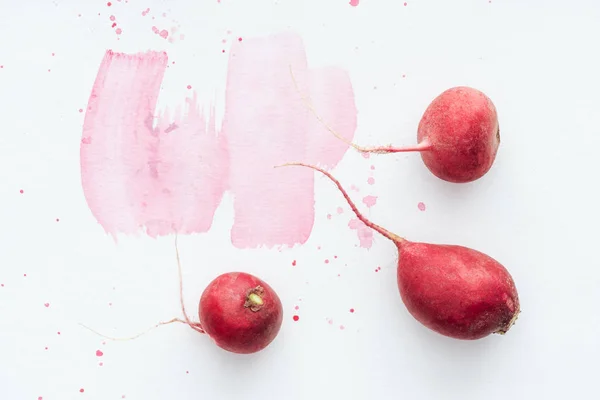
(536,211)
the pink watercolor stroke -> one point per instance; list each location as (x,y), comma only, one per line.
(158,173)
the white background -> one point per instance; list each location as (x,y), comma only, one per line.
(536,211)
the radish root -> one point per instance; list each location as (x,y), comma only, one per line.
(194,325)
(423,146)
(393,237)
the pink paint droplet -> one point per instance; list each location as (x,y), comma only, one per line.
(365,234)
(421,206)
(164,33)
(81,390)
(46,348)
(40,398)
(295,318)
(145,12)
(109,4)
(328,216)
(371,181)
(25,275)
(52,54)
(354,3)
(1,284)
(340,210)
(46,305)
(118,31)
(112,18)
(57,220)
(326,261)
(113,25)
(330,322)
(352,310)
(342,327)
(405,4)
(239,39)
(100,364)
(370,201)
(189,86)
(366,155)
(296,308)
(99,353)
(294,263)
(21,191)
(81,110)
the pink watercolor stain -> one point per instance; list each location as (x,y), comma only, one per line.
(370,201)
(340,210)
(167,172)
(354,3)
(371,180)
(46,305)
(99,353)
(421,206)
(365,234)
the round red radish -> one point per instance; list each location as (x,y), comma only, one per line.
(458,135)
(461,135)
(453,290)
(240,312)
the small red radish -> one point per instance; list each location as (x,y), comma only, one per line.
(458,135)
(453,290)
(240,312)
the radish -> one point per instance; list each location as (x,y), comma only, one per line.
(453,290)
(238,311)
(458,135)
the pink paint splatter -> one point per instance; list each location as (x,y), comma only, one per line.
(328,216)
(46,305)
(326,261)
(352,310)
(296,308)
(354,3)
(21,191)
(294,263)
(118,31)
(144,13)
(164,33)
(295,318)
(342,327)
(109,4)
(81,390)
(189,86)
(340,210)
(143,174)
(99,353)
(370,201)
(371,180)
(421,206)
(365,234)
(112,17)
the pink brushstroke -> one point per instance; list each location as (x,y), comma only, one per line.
(276,127)
(167,176)
(163,174)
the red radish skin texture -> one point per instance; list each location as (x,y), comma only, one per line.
(225,314)
(461,125)
(453,290)
(456,291)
